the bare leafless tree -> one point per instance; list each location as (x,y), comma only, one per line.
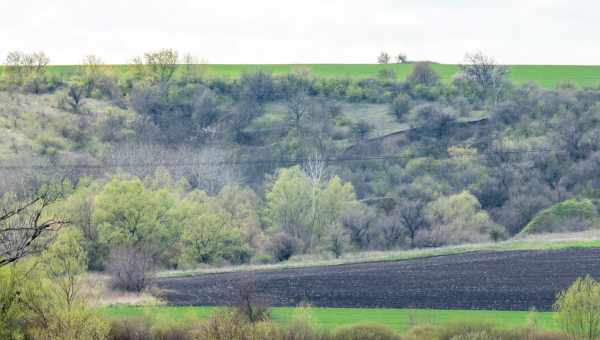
(251,305)
(486,73)
(299,106)
(209,168)
(23,228)
(131,268)
(314,168)
(361,224)
(383,58)
(410,214)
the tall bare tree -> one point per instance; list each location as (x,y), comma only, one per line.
(299,106)
(486,73)
(411,215)
(314,168)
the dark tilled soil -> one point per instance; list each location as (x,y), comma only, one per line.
(516,280)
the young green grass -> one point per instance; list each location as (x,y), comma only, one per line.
(544,75)
(398,319)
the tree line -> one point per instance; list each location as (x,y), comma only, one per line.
(535,151)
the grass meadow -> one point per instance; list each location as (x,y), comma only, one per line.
(330,318)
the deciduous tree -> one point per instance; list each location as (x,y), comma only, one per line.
(24,227)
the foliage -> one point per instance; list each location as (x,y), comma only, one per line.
(209,237)
(423,74)
(337,239)
(162,64)
(457,219)
(50,302)
(308,323)
(283,246)
(304,209)
(569,215)
(578,309)
(441,130)
(128,214)
(400,106)
(365,332)
(289,203)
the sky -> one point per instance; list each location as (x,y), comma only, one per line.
(306,31)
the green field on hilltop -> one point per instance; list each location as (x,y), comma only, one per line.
(544,75)
(398,319)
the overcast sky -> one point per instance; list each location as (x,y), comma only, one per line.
(305,31)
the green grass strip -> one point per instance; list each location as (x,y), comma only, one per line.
(398,319)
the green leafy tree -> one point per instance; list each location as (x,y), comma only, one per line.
(241,206)
(129,215)
(578,309)
(11,312)
(289,203)
(333,200)
(304,207)
(458,219)
(209,238)
(53,301)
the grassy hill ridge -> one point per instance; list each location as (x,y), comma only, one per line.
(544,75)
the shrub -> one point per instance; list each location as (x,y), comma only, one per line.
(304,326)
(366,332)
(336,240)
(578,309)
(261,258)
(130,329)
(570,215)
(458,219)
(283,246)
(461,330)
(423,74)
(51,297)
(361,129)
(400,106)
(476,331)
(130,268)
(229,325)
(50,144)
(251,306)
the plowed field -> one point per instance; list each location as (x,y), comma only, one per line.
(515,280)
